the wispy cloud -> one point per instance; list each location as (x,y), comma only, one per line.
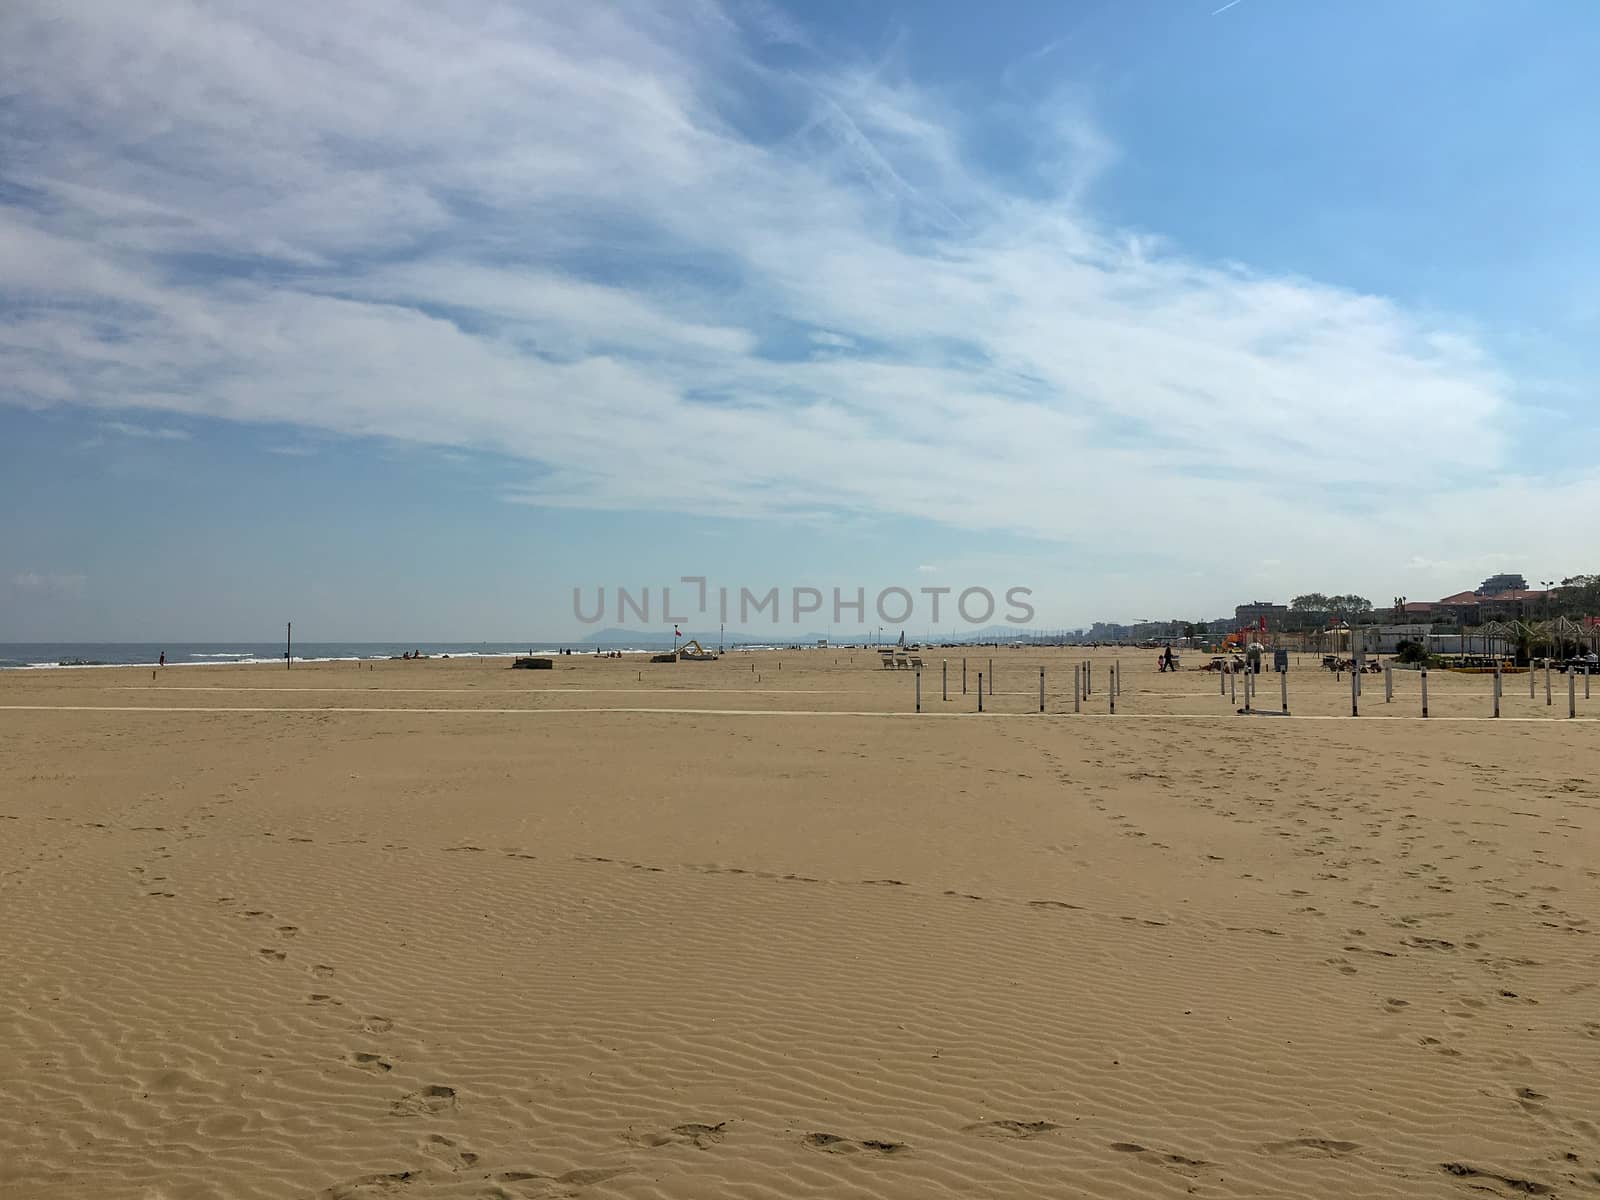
(49,582)
(128,429)
(345,220)
(1225,7)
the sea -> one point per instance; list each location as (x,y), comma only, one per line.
(68,655)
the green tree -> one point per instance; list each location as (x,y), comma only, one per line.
(1350,606)
(1311,602)
(1579,595)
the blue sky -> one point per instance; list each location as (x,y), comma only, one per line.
(403,320)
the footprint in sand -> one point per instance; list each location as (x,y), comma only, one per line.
(581,1177)
(1011,1129)
(429,1101)
(832,1143)
(274,955)
(1526,1187)
(322,998)
(287,931)
(692,1133)
(1326,1146)
(322,971)
(1165,1156)
(448,1151)
(376,1024)
(368,1185)
(371,1062)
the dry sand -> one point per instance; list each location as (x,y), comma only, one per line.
(703,930)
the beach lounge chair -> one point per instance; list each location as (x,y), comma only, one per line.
(900,661)
(916,664)
(888,661)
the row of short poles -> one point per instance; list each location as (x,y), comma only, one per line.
(1228,685)
(1082,684)
(1497,692)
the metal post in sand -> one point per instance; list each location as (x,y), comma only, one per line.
(980,691)
(1388,683)
(1355,710)
(1424,691)
(1041,689)
(1077,687)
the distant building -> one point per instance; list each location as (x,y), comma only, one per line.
(1251,614)
(1496,584)
(1518,604)
(1462,607)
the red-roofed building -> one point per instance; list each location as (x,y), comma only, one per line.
(1463,607)
(1522,602)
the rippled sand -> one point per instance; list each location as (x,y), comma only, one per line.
(743,929)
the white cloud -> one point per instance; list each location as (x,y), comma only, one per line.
(48,582)
(512,228)
(129,429)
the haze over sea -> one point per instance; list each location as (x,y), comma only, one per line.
(114,654)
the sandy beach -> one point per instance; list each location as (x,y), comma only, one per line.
(756,928)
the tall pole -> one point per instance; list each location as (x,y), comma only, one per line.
(1424,691)
(1077,687)
(1547,679)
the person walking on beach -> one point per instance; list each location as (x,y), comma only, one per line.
(163,658)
